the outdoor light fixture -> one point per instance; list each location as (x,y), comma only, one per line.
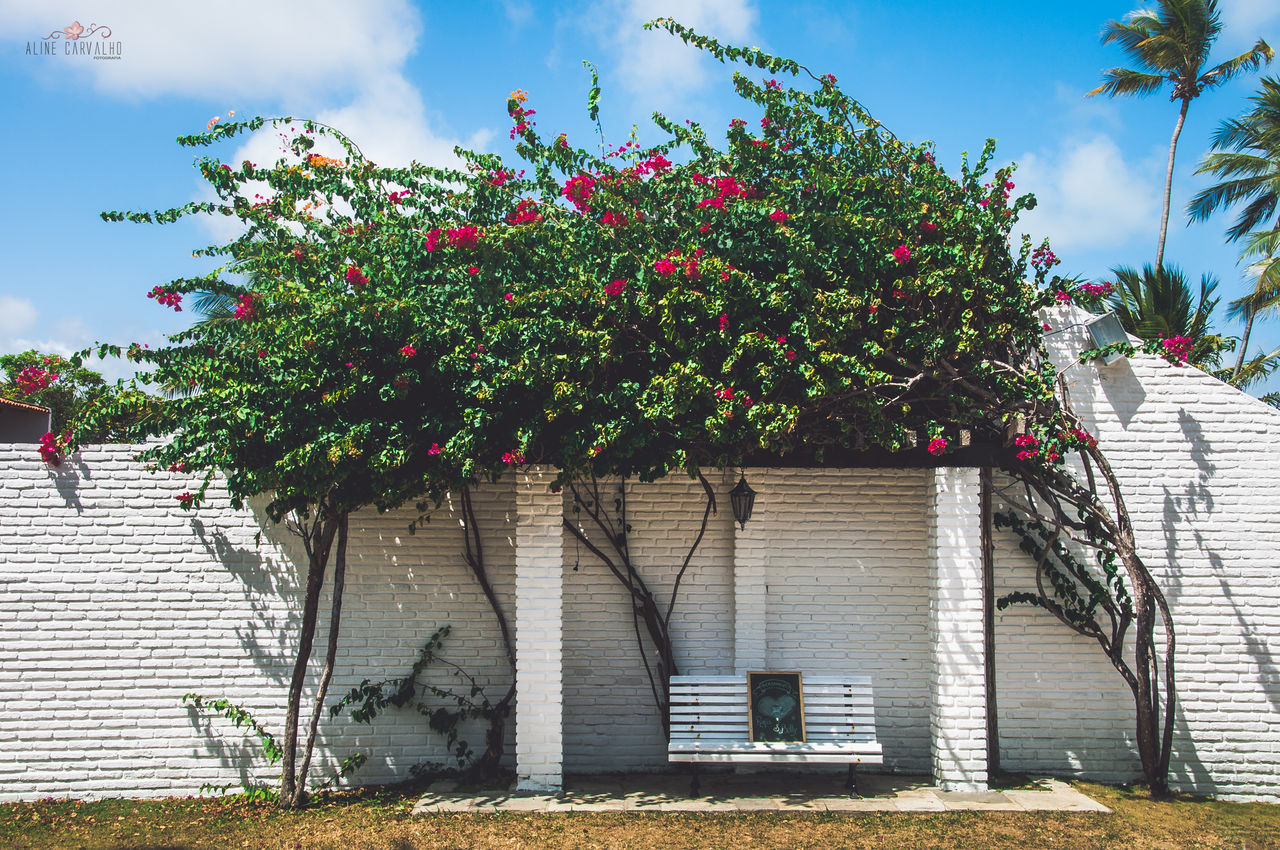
(742,498)
(1105,330)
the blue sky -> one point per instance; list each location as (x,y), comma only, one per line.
(411,80)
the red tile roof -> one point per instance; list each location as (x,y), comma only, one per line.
(22,405)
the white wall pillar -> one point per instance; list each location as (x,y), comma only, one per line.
(750,592)
(539,607)
(957,688)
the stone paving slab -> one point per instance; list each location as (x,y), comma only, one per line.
(755,792)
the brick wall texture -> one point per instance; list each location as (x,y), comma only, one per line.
(114,603)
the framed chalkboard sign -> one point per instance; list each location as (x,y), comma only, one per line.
(775,707)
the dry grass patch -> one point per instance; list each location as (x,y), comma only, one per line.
(382,819)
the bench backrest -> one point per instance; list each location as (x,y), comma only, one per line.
(714,708)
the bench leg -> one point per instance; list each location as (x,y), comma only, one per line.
(851,785)
(695,785)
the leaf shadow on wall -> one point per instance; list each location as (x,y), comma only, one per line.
(272,591)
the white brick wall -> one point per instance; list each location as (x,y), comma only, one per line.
(539,653)
(113,604)
(957,679)
(611,722)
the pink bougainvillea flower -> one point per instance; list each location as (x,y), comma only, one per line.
(434,450)
(166,298)
(247,308)
(691,269)
(902,255)
(1025,440)
(473,270)
(433,239)
(724,319)
(512,457)
(1095,290)
(356,277)
(1062,296)
(1177,349)
(463,237)
(725,393)
(779,216)
(51,449)
(928,227)
(526,213)
(790,355)
(1044,326)
(615,287)
(409,351)
(510,296)
(1084,437)
(33,379)
(664,267)
(186,500)
(578,190)
(937,446)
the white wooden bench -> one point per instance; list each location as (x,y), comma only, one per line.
(709,724)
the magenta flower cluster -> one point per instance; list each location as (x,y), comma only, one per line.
(578,190)
(1177,349)
(33,379)
(1043,258)
(247,309)
(355,277)
(937,446)
(526,213)
(166,299)
(51,449)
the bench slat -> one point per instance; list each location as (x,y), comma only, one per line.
(709,722)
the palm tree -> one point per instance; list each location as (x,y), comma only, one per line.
(1171,44)
(1263,300)
(1158,304)
(1245,156)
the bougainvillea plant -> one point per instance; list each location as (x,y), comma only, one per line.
(815,284)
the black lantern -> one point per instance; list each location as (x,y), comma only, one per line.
(743,499)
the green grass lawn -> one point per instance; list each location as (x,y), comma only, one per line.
(381,818)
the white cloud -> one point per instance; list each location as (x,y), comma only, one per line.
(17,315)
(287,49)
(660,69)
(1245,21)
(1089,196)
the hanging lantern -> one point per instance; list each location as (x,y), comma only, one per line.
(743,499)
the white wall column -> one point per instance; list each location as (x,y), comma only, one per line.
(957,688)
(750,592)
(539,607)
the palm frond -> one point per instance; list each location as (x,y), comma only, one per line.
(1124,81)
(1264,299)
(1250,60)
(1256,370)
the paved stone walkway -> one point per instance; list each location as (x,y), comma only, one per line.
(757,792)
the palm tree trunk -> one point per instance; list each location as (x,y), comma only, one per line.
(1168,183)
(1244,344)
